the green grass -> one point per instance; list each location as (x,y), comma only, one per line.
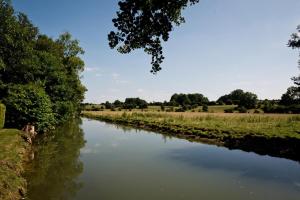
(13,151)
(272,134)
(215,125)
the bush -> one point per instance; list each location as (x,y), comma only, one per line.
(230,110)
(241,109)
(205,108)
(294,109)
(180,110)
(256,111)
(2,115)
(29,104)
(94,108)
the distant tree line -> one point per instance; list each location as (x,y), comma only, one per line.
(243,101)
(39,76)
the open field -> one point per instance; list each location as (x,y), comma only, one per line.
(263,133)
(13,154)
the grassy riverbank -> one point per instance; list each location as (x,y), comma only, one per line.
(13,155)
(215,125)
(266,134)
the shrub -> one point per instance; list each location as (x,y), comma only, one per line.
(230,110)
(29,104)
(2,115)
(256,111)
(180,110)
(241,109)
(295,109)
(205,108)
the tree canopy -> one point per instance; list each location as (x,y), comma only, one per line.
(144,25)
(131,103)
(189,99)
(240,98)
(291,97)
(294,43)
(39,76)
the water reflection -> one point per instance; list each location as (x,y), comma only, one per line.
(57,166)
(130,130)
(247,165)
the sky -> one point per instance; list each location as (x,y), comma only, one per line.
(223,46)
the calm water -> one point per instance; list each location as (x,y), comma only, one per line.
(94,160)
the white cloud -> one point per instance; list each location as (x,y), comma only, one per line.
(99,75)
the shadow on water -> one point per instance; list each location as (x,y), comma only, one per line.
(56,166)
(288,148)
(248,165)
(254,165)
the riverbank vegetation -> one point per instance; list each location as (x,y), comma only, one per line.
(215,124)
(14,153)
(274,134)
(39,76)
(40,88)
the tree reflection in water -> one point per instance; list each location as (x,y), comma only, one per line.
(53,173)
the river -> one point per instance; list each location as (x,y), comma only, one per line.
(88,159)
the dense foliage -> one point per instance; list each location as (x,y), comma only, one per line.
(291,97)
(144,25)
(189,99)
(29,103)
(294,43)
(131,103)
(39,76)
(238,97)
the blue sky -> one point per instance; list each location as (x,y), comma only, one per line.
(224,45)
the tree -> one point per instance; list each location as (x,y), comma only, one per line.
(240,98)
(194,100)
(198,99)
(118,103)
(180,99)
(144,25)
(108,105)
(131,103)
(291,97)
(49,67)
(294,43)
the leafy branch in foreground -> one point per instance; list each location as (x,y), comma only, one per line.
(144,24)
(294,42)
